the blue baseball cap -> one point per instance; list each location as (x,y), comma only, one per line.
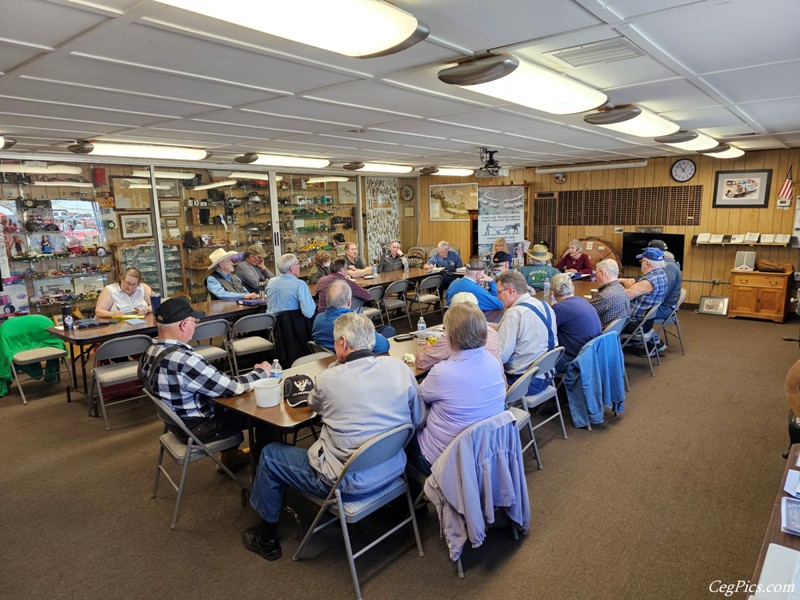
(651,254)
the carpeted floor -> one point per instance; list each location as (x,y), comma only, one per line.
(657,503)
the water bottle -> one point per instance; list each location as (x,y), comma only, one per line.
(262,288)
(547,291)
(277,370)
(66,314)
(405,264)
(421,327)
(375,270)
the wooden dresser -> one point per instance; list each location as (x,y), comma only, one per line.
(759,295)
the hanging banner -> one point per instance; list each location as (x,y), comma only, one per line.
(501,214)
(452,202)
(383,225)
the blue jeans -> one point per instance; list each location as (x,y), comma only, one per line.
(282,465)
(537,384)
(416,458)
(386,331)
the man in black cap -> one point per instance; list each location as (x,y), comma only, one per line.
(186,381)
(674,280)
(501,261)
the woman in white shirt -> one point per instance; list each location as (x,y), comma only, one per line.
(127,297)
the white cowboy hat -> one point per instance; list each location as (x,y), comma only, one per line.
(218,255)
(539,252)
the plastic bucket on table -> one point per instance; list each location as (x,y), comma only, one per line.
(268,392)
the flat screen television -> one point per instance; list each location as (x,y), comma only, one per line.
(633,243)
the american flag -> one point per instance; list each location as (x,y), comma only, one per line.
(786,189)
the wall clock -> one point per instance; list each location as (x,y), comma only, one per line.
(683,170)
(407,193)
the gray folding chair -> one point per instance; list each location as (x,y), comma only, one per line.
(38,356)
(426,293)
(209,330)
(356,304)
(183,454)
(392,302)
(639,335)
(546,363)
(374,311)
(316,348)
(310,358)
(116,373)
(374,452)
(672,319)
(240,344)
(618,325)
(522,416)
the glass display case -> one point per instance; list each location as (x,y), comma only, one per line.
(143,256)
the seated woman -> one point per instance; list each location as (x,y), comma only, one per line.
(574,260)
(130,296)
(321,267)
(460,391)
(500,245)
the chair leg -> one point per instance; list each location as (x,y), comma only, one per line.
(184,470)
(680,337)
(348,548)
(649,359)
(309,533)
(459,568)
(560,417)
(71,385)
(102,404)
(533,442)
(413,516)
(19,383)
(92,405)
(158,472)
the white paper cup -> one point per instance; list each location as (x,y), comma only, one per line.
(268,392)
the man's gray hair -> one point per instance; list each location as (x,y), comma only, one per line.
(443,245)
(561,285)
(515,280)
(609,265)
(339,294)
(286,262)
(466,327)
(357,329)
(656,264)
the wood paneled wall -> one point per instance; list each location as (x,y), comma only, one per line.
(702,264)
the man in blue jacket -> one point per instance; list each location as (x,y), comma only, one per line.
(474,276)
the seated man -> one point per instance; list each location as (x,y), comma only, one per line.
(338,273)
(527,331)
(339,298)
(360,397)
(540,269)
(355,264)
(474,276)
(440,350)
(393,260)
(222,284)
(467,387)
(252,270)
(501,261)
(647,292)
(287,292)
(576,321)
(444,258)
(674,280)
(186,381)
(611,301)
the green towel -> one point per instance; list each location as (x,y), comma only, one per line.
(18,334)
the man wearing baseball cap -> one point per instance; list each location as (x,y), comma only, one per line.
(648,291)
(472,282)
(674,280)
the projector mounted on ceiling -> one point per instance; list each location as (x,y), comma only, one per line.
(491,168)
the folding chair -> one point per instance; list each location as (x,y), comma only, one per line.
(422,294)
(546,363)
(372,453)
(522,416)
(208,330)
(316,348)
(238,344)
(356,304)
(645,337)
(618,325)
(391,302)
(116,373)
(374,311)
(672,319)
(310,358)
(183,454)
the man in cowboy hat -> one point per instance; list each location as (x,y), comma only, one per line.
(222,284)
(539,270)
(252,268)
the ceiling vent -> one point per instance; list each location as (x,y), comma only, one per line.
(596,53)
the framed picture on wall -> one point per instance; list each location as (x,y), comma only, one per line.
(136,226)
(170,208)
(742,189)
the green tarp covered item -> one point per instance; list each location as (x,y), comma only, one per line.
(18,334)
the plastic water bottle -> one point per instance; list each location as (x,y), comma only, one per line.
(405,264)
(547,291)
(277,369)
(421,327)
(374,270)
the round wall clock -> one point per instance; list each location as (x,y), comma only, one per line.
(683,170)
(407,193)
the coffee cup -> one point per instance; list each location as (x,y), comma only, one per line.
(267,392)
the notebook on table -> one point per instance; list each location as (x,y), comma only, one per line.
(87,323)
(252,302)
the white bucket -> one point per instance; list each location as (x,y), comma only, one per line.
(268,392)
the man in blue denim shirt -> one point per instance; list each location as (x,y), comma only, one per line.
(444,258)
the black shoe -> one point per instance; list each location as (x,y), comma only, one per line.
(270,549)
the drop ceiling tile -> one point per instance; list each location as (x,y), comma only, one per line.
(78,113)
(662,95)
(314,110)
(44,23)
(758,83)
(11,56)
(202,139)
(775,116)
(701,119)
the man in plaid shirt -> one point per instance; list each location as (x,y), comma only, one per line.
(647,292)
(611,301)
(186,381)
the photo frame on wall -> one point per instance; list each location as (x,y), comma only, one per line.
(742,189)
(713,305)
(170,208)
(136,226)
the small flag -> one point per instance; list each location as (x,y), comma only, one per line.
(786,189)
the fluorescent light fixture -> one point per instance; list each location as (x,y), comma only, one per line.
(247,175)
(363,28)
(41,169)
(514,80)
(331,179)
(164,174)
(446,171)
(6,142)
(603,167)
(377,167)
(211,186)
(275,160)
(723,151)
(691,141)
(81,184)
(139,151)
(145,186)
(633,120)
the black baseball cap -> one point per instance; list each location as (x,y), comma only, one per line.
(175,310)
(501,257)
(660,244)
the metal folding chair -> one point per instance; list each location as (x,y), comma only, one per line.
(645,337)
(208,330)
(316,348)
(672,319)
(392,302)
(239,344)
(423,295)
(374,311)
(522,416)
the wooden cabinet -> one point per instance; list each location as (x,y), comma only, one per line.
(759,295)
